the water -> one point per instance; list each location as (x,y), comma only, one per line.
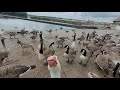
(10,24)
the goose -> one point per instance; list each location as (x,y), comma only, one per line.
(92,47)
(5,53)
(84,57)
(56,36)
(73,45)
(54,66)
(44,54)
(67,31)
(117,35)
(86,42)
(34,32)
(84,34)
(92,35)
(61,28)
(33,37)
(63,38)
(103,61)
(22,32)
(41,41)
(116,69)
(15,71)
(118,44)
(24,45)
(41,56)
(50,31)
(60,42)
(12,34)
(81,38)
(69,54)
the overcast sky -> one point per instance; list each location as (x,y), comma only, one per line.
(96,16)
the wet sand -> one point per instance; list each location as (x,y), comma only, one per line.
(73,70)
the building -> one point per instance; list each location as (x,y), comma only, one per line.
(117,21)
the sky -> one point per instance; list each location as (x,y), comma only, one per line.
(95,16)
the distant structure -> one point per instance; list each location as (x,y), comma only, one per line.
(20,14)
(117,21)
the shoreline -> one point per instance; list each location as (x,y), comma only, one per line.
(55,22)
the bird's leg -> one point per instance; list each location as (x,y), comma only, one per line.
(23,50)
(72,60)
(85,65)
(80,62)
(62,46)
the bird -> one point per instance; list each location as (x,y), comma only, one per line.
(84,57)
(44,54)
(103,61)
(33,37)
(41,41)
(24,45)
(67,31)
(34,32)
(54,66)
(116,69)
(69,54)
(59,42)
(73,45)
(12,34)
(50,31)
(81,38)
(15,71)
(5,53)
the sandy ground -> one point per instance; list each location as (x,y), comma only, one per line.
(73,70)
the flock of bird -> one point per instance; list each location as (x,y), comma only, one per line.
(98,48)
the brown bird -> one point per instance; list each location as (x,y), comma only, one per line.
(15,71)
(33,37)
(24,45)
(81,38)
(12,34)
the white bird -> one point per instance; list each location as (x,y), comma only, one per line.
(54,67)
